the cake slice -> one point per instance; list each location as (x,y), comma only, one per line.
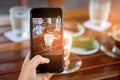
(83,42)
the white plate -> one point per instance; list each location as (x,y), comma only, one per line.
(14,38)
(101,28)
(83,51)
(107,51)
(80,28)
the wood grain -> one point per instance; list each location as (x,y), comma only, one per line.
(10,46)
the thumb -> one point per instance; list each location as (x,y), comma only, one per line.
(35,61)
(27,59)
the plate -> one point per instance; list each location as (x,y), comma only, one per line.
(80,28)
(108,52)
(101,28)
(50,31)
(14,38)
(75,64)
(83,51)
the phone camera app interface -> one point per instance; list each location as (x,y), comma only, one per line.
(47,36)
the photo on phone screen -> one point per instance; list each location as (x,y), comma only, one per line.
(47,39)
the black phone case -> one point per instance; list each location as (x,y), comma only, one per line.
(56,64)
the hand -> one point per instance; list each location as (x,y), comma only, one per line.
(28,71)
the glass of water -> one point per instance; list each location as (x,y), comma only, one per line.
(99,11)
(19,17)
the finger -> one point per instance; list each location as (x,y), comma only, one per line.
(27,59)
(45,76)
(49,75)
(66,52)
(66,40)
(66,63)
(38,60)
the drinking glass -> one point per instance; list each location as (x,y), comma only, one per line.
(99,11)
(19,17)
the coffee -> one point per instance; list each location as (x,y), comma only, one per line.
(116,37)
(48,39)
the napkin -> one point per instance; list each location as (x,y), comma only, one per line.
(89,25)
(15,38)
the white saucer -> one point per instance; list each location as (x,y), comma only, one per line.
(14,38)
(75,64)
(80,28)
(104,26)
(108,52)
(76,68)
(83,51)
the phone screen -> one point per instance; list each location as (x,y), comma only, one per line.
(47,34)
(47,40)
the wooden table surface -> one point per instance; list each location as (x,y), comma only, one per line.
(94,67)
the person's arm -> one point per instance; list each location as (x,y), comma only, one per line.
(28,71)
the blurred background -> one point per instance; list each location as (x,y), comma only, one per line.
(5,5)
(67,4)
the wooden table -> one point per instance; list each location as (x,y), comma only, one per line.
(94,67)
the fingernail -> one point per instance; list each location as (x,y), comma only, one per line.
(47,60)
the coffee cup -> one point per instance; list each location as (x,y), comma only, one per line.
(116,38)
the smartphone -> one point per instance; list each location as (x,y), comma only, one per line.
(47,38)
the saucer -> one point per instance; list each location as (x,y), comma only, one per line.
(83,51)
(50,30)
(75,64)
(14,38)
(108,51)
(81,30)
(89,25)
